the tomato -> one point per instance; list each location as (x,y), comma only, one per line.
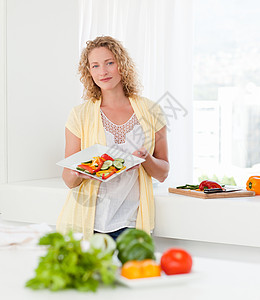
(176,261)
(134,269)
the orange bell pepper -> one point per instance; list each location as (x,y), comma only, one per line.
(140,269)
(253,184)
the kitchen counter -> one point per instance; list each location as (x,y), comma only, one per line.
(226,268)
(215,279)
(233,221)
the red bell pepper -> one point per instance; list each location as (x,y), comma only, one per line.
(208,184)
(100,164)
(108,175)
(87,168)
(106,157)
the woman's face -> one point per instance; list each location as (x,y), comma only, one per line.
(104,68)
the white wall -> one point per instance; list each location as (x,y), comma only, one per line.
(42,85)
(3,153)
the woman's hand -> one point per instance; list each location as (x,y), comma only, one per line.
(156,165)
(142,153)
(73,145)
(74,178)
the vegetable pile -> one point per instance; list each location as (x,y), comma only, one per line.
(136,252)
(103,166)
(73,263)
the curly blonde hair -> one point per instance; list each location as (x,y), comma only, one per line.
(126,68)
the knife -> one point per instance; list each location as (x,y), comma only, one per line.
(212,191)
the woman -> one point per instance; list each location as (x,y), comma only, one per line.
(113,115)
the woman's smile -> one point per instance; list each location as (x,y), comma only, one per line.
(105,79)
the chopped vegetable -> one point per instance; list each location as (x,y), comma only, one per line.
(87,162)
(106,176)
(134,269)
(121,169)
(188,187)
(134,244)
(208,184)
(253,184)
(82,170)
(106,157)
(107,164)
(99,163)
(120,159)
(66,265)
(117,164)
(87,168)
(102,166)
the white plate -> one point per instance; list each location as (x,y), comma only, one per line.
(74,160)
(160,280)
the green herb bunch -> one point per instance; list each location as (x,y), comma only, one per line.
(66,265)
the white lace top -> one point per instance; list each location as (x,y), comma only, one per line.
(118,200)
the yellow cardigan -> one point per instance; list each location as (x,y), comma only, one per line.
(78,213)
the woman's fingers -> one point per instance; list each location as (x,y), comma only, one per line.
(141,152)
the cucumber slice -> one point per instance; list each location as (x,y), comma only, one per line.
(120,159)
(117,164)
(106,165)
(83,170)
(87,162)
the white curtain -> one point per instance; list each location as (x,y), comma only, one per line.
(158,36)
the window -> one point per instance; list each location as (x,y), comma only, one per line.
(226,90)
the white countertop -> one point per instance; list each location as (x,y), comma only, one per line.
(209,229)
(215,279)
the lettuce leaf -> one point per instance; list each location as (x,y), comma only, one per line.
(66,265)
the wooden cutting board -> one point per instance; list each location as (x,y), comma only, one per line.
(198,194)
